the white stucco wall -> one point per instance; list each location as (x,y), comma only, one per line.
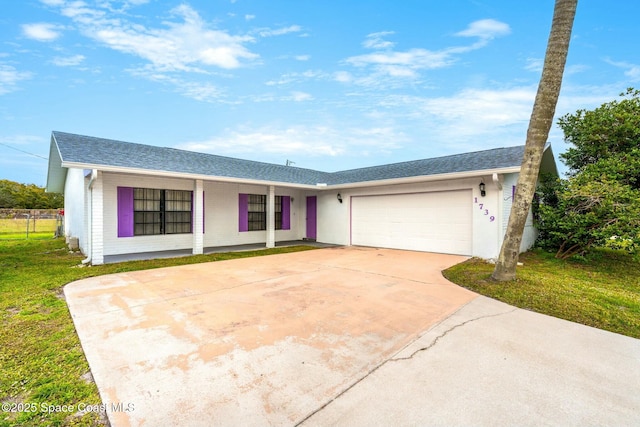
(113,244)
(222,212)
(221,215)
(489,213)
(530,233)
(96,223)
(334,217)
(74,207)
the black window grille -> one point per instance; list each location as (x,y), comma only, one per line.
(162,211)
(257,212)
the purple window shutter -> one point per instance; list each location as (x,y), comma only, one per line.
(243,212)
(125,211)
(286,210)
(203,211)
(193,212)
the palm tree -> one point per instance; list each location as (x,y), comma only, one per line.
(544,109)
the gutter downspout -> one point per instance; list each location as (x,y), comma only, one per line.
(94,175)
(496,180)
(500,237)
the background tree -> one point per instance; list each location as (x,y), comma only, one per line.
(612,128)
(599,205)
(27,196)
(6,194)
(544,108)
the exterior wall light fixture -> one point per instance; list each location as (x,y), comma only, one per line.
(482,190)
(339,197)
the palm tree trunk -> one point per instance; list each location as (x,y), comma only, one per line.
(544,109)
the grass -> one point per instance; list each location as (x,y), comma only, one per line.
(41,360)
(601,290)
(38,235)
(17,228)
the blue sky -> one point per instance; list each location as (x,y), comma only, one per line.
(329,84)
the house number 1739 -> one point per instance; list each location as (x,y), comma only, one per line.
(484,211)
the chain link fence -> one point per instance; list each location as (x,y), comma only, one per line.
(25,223)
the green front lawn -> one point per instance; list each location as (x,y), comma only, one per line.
(602,290)
(41,361)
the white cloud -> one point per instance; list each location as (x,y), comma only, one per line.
(343,77)
(534,64)
(41,31)
(408,65)
(300,140)
(53,2)
(414,58)
(289,78)
(186,45)
(486,29)
(376,41)
(465,120)
(300,96)
(69,61)
(249,17)
(22,139)
(267,32)
(9,78)
(397,64)
(632,71)
(205,92)
(306,141)
(200,91)
(575,69)
(303,57)
(476,118)
(481,110)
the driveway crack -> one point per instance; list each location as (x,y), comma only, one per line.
(445,333)
(398,359)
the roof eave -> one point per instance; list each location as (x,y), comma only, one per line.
(426,178)
(56,172)
(185,175)
(393,181)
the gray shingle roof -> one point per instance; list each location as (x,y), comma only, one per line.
(87,150)
(107,152)
(496,158)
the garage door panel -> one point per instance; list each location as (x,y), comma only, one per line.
(433,222)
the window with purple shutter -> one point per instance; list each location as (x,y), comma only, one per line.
(243,212)
(286,212)
(252,212)
(125,211)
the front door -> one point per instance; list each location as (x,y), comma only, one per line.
(311,217)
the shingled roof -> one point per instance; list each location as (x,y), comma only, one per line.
(71,150)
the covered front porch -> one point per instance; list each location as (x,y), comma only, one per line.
(141,256)
(224,217)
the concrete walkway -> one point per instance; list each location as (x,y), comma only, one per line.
(341,336)
(491,364)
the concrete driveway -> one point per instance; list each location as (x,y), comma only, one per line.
(340,336)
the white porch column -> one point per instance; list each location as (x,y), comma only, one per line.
(271,217)
(96,232)
(198,217)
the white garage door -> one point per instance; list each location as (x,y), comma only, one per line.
(431,222)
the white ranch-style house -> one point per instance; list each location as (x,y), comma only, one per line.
(123,198)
